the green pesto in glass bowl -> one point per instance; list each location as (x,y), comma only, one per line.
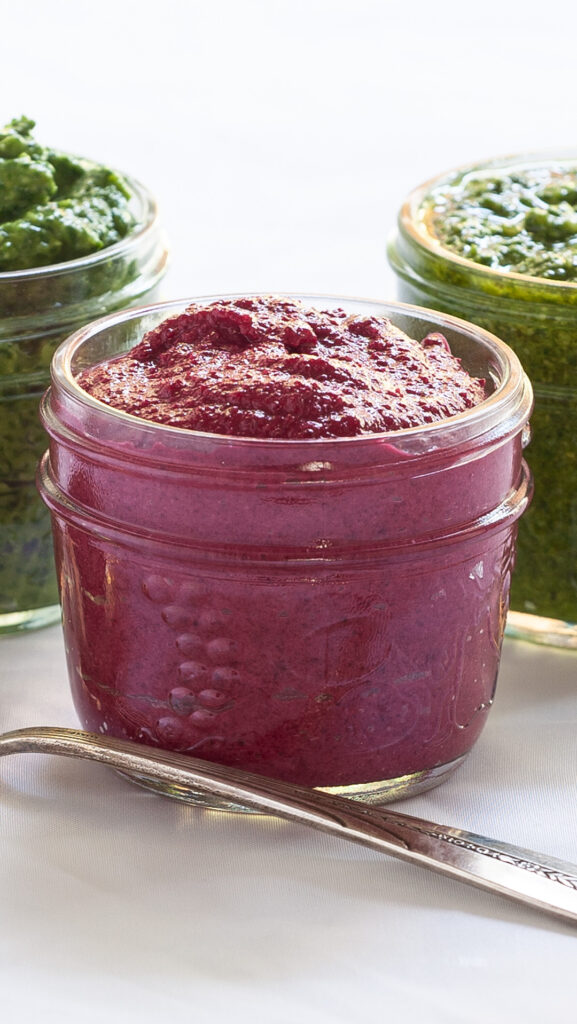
(496,244)
(54,207)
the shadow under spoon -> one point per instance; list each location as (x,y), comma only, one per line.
(539,881)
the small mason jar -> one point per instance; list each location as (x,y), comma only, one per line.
(537,317)
(328,612)
(38,309)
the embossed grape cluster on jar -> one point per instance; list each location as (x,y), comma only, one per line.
(207,675)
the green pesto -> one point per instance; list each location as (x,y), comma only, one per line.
(536,316)
(55,207)
(522,221)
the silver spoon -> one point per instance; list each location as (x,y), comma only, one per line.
(541,882)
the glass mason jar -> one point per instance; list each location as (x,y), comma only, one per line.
(329,612)
(38,309)
(538,319)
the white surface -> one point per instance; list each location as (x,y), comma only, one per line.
(122,906)
(280,138)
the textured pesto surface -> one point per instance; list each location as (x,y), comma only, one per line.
(522,220)
(54,207)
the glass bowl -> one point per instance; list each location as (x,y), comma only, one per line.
(38,309)
(329,612)
(538,319)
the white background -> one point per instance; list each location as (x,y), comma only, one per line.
(280,139)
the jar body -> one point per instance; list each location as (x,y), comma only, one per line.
(327,612)
(38,310)
(538,319)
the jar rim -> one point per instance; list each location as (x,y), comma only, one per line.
(414,225)
(146,221)
(511,397)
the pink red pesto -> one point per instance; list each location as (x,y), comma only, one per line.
(270,367)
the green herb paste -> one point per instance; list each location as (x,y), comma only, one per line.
(516,226)
(523,221)
(54,207)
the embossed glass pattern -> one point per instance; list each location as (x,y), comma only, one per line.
(327,612)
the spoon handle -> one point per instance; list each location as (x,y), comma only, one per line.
(531,878)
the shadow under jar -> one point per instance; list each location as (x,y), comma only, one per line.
(329,612)
(39,308)
(538,318)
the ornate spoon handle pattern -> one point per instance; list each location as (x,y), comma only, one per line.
(531,878)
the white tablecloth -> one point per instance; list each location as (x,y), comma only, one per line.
(280,137)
